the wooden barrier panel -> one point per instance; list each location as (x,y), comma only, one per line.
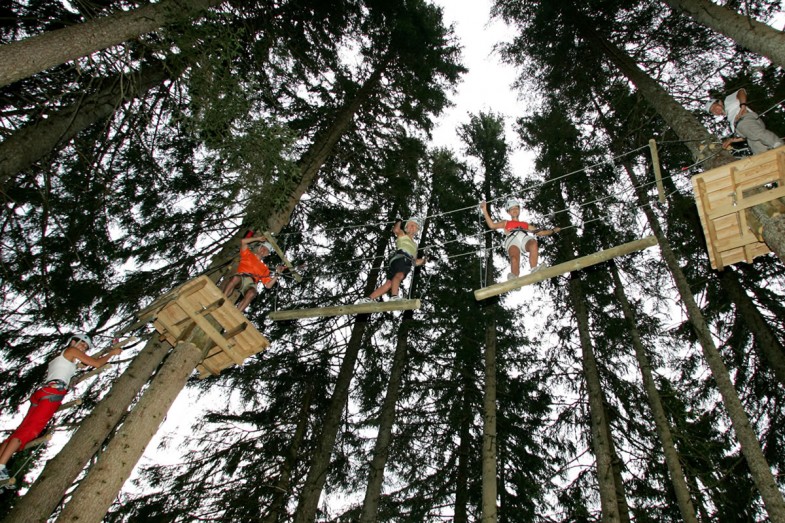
(720,198)
(200,302)
(343,310)
(572,265)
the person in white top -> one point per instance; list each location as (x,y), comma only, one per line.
(744,122)
(46,400)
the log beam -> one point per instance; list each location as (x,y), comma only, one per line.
(572,265)
(343,310)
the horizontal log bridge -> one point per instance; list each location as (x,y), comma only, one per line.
(572,265)
(344,310)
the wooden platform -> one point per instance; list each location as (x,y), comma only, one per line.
(572,265)
(344,310)
(200,302)
(719,195)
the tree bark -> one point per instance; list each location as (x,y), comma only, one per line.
(284,483)
(661,424)
(489,487)
(60,472)
(755,36)
(95,493)
(773,225)
(600,432)
(32,55)
(317,472)
(33,142)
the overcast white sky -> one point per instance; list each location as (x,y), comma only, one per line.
(488,84)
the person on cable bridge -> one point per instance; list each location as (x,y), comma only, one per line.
(46,400)
(251,271)
(520,236)
(744,122)
(402,261)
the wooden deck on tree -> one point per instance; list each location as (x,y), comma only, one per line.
(199,302)
(572,265)
(721,201)
(344,310)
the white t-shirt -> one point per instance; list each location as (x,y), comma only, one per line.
(732,108)
(61,369)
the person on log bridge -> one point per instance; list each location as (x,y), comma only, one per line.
(520,236)
(252,271)
(46,400)
(402,261)
(744,122)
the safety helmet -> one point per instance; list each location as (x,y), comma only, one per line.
(710,103)
(512,202)
(416,220)
(81,336)
(259,245)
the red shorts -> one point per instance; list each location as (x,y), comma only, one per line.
(45,402)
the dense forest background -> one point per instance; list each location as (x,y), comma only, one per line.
(140,141)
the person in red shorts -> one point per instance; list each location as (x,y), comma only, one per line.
(47,399)
(252,270)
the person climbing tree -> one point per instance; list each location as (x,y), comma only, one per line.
(401,263)
(46,400)
(744,122)
(520,236)
(252,270)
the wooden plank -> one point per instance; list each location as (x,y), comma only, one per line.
(708,226)
(746,203)
(344,310)
(270,238)
(572,265)
(655,162)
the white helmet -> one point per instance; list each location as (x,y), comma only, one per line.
(259,245)
(415,220)
(512,202)
(709,104)
(81,336)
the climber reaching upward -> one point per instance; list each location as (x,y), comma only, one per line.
(520,236)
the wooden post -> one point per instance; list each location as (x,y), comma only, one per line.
(655,162)
(572,265)
(269,236)
(341,310)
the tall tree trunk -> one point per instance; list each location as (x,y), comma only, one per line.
(489,487)
(618,481)
(381,447)
(284,483)
(95,493)
(32,55)
(60,472)
(683,122)
(29,144)
(461,511)
(773,227)
(661,424)
(748,440)
(755,36)
(314,481)
(600,432)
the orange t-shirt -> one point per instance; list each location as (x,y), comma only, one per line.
(251,264)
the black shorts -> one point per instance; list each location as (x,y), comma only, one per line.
(399,263)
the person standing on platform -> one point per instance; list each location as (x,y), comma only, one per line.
(402,261)
(252,271)
(520,236)
(46,400)
(744,122)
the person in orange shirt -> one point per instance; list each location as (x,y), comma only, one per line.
(252,270)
